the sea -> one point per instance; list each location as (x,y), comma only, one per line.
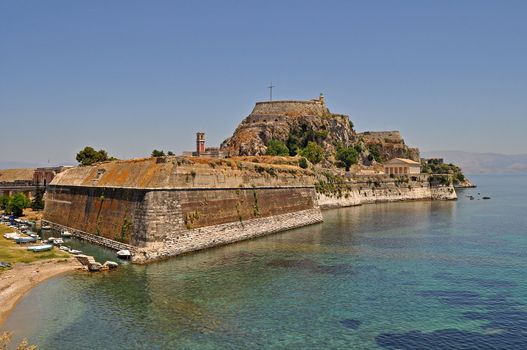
(407,275)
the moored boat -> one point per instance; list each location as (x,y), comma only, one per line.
(25,240)
(11,235)
(66,234)
(57,241)
(40,248)
(124,254)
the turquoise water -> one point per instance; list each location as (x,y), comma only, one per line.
(415,275)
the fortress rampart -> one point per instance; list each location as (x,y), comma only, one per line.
(160,209)
(291,108)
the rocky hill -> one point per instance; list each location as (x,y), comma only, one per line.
(297,123)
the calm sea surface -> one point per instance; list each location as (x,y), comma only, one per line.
(415,275)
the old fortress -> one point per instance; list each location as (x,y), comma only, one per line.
(164,206)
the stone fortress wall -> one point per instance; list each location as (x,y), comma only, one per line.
(291,108)
(163,207)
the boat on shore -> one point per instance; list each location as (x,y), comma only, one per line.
(124,254)
(25,240)
(11,235)
(66,234)
(40,248)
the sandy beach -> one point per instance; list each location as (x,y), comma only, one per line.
(16,282)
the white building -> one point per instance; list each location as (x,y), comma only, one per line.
(402,166)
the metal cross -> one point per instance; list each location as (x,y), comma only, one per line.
(270,87)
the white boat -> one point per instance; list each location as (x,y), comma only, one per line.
(64,248)
(11,235)
(66,234)
(47,227)
(124,254)
(57,241)
(40,248)
(75,252)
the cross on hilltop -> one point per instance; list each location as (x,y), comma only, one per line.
(270,87)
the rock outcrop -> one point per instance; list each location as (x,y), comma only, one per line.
(386,145)
(295,123)
(290,121)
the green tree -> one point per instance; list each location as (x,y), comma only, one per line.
(38,200)
(170,153)
(347,155)
(303,163)
(156,153)
(277,148)
(89,156)
(375,153)
(17,204)
(313,152)
(4,202)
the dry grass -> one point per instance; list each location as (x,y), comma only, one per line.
(16,253)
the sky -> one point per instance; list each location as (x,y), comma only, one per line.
(133,76)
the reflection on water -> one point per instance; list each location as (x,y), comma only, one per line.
(415,275)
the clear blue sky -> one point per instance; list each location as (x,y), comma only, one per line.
(131,76)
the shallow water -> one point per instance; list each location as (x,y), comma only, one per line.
(415,275)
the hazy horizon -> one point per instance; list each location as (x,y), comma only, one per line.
(130,77)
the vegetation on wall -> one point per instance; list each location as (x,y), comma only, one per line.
(313,152)
(156,153)
(299,138)
(277,148)
(375,152)
(303,163)
(436,166)
(347,156)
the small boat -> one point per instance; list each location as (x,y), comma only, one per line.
(46,227)
(75,252)
(57,241)
(40,248)
(64,248)
(11,235)
(66,234)
(51,239)
(25,240)
(124,254)
(32,234)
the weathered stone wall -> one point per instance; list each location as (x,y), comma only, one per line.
(212,236)
(150,219)
(163,208)
(290,108)
(148,202)
(381,188)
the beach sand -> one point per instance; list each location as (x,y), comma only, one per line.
(19,280)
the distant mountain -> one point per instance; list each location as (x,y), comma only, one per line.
(7,164)
(10,164)
(483,163)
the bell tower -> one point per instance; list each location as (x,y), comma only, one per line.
(200,143)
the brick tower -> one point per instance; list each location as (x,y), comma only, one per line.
(200,143)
